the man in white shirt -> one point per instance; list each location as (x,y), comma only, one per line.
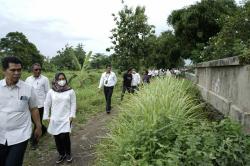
(18,103)
(136,79)
(41,85)
(108,80)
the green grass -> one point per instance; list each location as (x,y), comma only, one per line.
(165,125)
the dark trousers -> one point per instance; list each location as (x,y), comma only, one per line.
(124,89)
(63,144)
(134,89)
(34,141)
(12,155)
(108,91)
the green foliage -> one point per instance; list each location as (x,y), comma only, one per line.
(194,25)
(99,61)
(169,51)
(80,53)
(1,73)
(69,58)
(245,56)
(128,37)
(86,63)
(89,102)
(164,125)
(47,66)
(17,44)
(233,39)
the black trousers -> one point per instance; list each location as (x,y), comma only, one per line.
(12,155)
(124,89)
(108,91)
(134,89)
(63,144)
(44,129)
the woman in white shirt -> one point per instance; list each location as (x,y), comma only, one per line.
(61,100)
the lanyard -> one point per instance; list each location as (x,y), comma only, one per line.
(107,77)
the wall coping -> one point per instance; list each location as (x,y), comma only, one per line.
(231,61)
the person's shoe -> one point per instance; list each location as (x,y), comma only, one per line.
(60,159)
(69,158)
(108,112)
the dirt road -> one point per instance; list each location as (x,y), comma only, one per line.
(83,141)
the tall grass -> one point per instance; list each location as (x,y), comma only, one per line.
(164,125)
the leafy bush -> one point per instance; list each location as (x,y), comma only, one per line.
(233,39)
(1,74)
(165,125)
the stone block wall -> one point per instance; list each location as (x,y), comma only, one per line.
(225,84)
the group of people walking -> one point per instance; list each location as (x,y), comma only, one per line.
(33,101)
(131,82)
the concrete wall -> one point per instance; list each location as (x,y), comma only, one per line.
(225,84)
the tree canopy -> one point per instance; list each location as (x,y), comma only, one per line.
(129,35)
(194,25)
(17,44)
(69,58)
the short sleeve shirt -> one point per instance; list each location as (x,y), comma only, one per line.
(15,118)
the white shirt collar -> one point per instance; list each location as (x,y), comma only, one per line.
(18,84)
(37,77)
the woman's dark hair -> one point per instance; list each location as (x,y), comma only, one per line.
(146,71)
(10,59)
(61,73)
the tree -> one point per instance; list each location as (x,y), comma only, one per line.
(70,58)
(233,39)
(80,53)
(100,61)
(128,37)
(193,26)
(16,44)
(169,51)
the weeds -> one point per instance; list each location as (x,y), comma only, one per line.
(165,125)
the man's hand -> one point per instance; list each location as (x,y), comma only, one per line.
(36,118)
(38,132)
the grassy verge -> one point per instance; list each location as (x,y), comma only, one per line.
(165,125)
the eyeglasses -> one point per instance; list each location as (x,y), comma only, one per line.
(37,69)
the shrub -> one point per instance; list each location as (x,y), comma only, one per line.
(1,74)
(164,125)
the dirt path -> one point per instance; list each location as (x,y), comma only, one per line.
(83,141)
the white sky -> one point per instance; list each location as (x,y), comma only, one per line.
(50,24)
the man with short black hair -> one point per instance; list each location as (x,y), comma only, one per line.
(18,103)
(41,85)
(127,82)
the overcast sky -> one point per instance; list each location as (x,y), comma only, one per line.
(50,24)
